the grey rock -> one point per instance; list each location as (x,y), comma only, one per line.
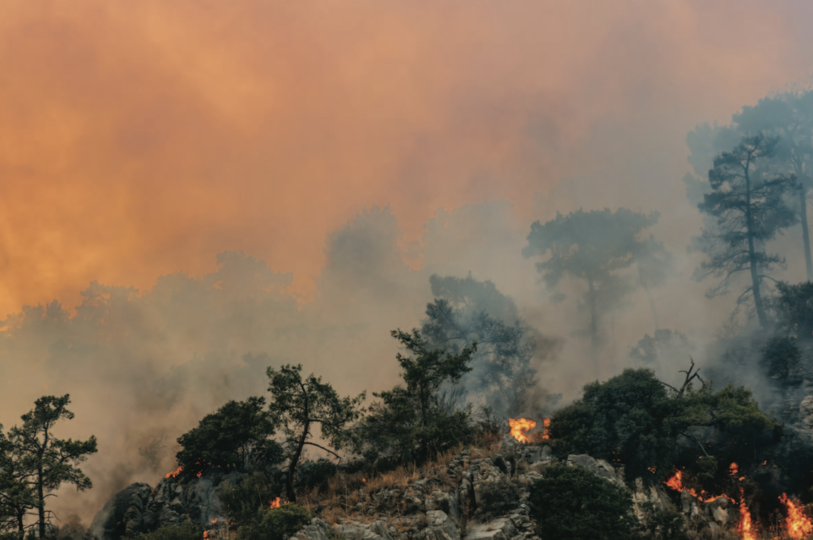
(499,529)
(599,467)
(123,514)
(441,527)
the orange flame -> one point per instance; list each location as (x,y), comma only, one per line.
(546,425)
(214,520)
(275,503)
(799,526)
(518,428)
(175,473)
(205,535)
(676,483)
(745,527)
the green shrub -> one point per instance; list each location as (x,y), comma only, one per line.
(185,531)
(275,523)
(242,501)
(570,503)
(497,498)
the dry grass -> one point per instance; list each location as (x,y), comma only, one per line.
(339,497)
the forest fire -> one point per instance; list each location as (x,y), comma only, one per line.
(546,425)
(519,428)
(276,503)
(798,525)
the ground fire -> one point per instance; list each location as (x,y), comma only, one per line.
(519,428)
(797,525)
(745,527)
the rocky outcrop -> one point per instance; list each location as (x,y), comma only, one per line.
(140,508)
(123,515)
(477,495)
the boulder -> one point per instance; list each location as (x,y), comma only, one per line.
(599,467)
(123,515)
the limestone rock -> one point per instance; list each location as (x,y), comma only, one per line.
(599,467)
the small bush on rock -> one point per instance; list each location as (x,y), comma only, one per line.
(275,523)
(497,498)
(570,503)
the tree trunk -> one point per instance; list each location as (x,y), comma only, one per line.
(652,307)
(805,231)
(594,326)
(289,483)
(40,502)
(749,221)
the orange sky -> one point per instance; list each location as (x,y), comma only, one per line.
(142,138)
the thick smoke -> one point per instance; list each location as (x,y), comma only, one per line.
(192,193)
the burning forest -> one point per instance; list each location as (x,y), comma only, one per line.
(406,270)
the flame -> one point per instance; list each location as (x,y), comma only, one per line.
(798,524)
(363,479)
(745,527)
(676,483)
(214,520)
(546,425)
(175,473)
(205,535)
(275,503)
(519,426)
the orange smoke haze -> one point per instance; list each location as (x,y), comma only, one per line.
(142,138)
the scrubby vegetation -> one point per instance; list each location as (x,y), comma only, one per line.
(573,504)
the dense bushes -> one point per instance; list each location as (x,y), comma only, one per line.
(635,420)
(625,418)
(570,503)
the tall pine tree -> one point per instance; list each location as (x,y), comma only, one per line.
(747,202)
